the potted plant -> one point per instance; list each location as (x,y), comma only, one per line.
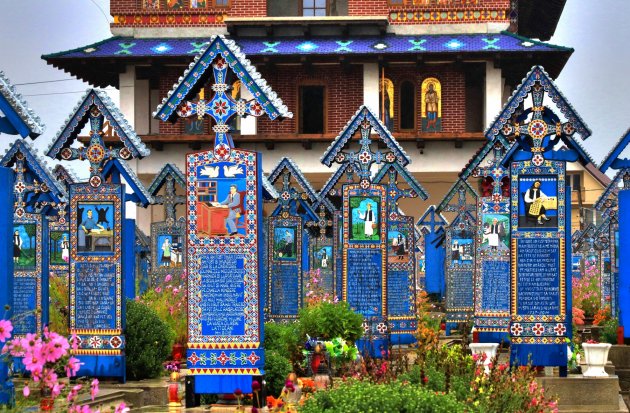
(595,357)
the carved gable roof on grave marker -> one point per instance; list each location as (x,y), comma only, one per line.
(417,189)
(482,153)
(431,218)
(116,168)
(18,118)
(290,166)
(610,192)
(200,69)
(613,159)
(38,167)
(503,123)
(584,236)
(454,190)
(65,175)
(364,114)
(79,116)
(329,186)
(269,192)
(160,179)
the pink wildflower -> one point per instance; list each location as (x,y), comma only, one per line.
(122,408)
(72,368)
(26,391)
(158,290)
(94,388)
(5,330)
(168,278)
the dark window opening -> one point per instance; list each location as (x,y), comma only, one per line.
(475,78)
(407,105)
(311,109)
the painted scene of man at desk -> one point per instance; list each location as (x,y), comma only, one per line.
(221,191)
(95,227)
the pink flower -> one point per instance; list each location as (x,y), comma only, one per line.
(5,330)
(158,290)
(75,341)
(26,391)
(168,278)
(122,408)
(72,368)
(74,392)
(94,388)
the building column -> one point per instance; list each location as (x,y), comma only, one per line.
(370,87)
(493,97)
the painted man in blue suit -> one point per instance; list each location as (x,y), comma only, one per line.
(233,202)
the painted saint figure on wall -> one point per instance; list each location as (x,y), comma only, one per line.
(431,105)
(387,103)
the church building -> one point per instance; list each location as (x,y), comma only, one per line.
(436,71)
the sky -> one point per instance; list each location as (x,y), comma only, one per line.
(594,80)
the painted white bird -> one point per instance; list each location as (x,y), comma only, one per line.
(210,171)
(232,171)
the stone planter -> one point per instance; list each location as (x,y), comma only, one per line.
(595,357)
(489,349)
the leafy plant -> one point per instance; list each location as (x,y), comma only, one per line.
(330,320)
(277,368)
(169,300)
(284,339)
(149,341)
(360,396)
(608,334)
(58,304)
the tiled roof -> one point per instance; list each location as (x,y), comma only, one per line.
(264,46)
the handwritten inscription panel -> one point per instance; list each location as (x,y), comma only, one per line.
(95,295)
(460,289)
(222,294)
(365,281)
(24,305)
(538,276)
(495,285)
(284,286)
(398,292)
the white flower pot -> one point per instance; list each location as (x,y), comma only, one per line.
(595,357)
(489,349)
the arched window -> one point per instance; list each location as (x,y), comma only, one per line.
(407,105)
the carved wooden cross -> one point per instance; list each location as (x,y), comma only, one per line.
(95,152)
(323,224)
(494,170)
(221,108)
(22,188)
(394,193)
(462,208)
(170,200)
(538,128)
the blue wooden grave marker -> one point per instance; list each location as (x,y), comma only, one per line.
(16,118)
(143,261)
(168,237)
(619,229)
(36,194)
(401,257)
(432,224)
(100,270)
(461,253)
(492,277)
(364,224)
(224,189)
(286,287)
(540,218)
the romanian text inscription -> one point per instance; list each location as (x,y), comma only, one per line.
(538,276)
(284,284)
(95,295)
(459,293)
(222,294)
(398,291)
(24,305)
(365,280)
(495,285)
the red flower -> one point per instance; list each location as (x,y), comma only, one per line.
(238,392)
(255,385)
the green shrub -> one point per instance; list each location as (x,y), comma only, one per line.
(277,368)
(327,321)
(149,342)
(608,332)
(284,338)
(363,397)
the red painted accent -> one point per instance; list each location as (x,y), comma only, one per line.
(620,335)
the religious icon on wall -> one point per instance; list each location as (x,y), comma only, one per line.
(221,199)
(59,247)
(496,231)
(538,202)
(151,4)
(397,246)
(462,251)
(431,105)
(170,251)
(284,244)
(322,258)
(387,103)
(25,247)
(95,227)
(174,4)
(198,4)
(365,218)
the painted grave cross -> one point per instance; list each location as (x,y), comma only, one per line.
(168,177)
(224,191)
(322,223)
(496,171)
